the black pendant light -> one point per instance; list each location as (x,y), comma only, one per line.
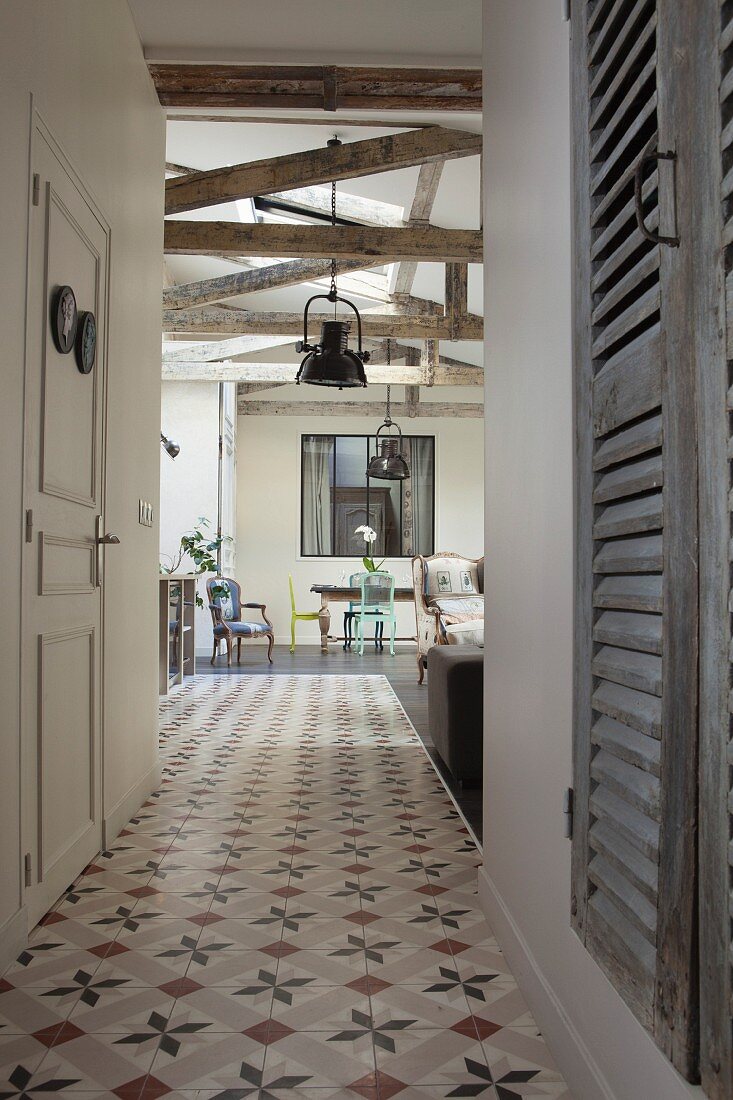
(331,362)
(388,464)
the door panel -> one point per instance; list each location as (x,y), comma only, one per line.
(69,458)
(63,465)
(66,719)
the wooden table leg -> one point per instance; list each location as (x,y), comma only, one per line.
(324,620)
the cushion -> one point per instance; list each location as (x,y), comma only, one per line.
(242,629)
(470,633)
(468,607)
(451,576)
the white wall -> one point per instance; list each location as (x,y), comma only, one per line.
(82,63)
(525,882)
(188,484)
(268,509)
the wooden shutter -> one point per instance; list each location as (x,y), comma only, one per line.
(634,860)
(713,96)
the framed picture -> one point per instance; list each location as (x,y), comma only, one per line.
(467,581)
(444,584)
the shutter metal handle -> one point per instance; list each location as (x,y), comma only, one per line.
(650,158)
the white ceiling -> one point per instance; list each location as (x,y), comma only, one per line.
(370,32)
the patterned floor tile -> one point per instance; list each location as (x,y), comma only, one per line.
(292,914)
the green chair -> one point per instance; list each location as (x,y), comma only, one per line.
(377,599)
(295,615)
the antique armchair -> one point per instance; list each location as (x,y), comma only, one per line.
(448,590)
(228,625)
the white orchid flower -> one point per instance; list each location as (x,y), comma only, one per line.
(367,533)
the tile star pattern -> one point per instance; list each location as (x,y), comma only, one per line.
(293,913)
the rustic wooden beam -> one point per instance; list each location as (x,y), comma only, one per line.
(346,242)
(222,287)
(422,205)
(371,409)
(456,293)
(327,88)
(429,361)
(316,200)
(412,401)
(394,374)
(174,115)
(337,162)
(234,322)
(224,349)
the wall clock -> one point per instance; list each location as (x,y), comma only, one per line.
(64,319)
(86,341)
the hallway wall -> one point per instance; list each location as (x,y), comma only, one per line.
(81,62)
(601,1049)
(268,508)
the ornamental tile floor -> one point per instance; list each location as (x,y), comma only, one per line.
(292,914)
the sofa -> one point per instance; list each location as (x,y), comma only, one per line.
(449,602)
(455,709)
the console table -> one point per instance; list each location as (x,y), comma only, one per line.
(176,646)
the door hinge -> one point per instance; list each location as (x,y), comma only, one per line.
(29,525)
(36,189)
(567,811)
(27,866)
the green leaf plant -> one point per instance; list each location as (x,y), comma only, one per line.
(202,550)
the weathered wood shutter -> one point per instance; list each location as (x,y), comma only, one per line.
(634,859)
(713,96)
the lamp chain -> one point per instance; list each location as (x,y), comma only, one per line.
(389,388)
(333,258)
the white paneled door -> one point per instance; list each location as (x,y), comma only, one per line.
(61,630)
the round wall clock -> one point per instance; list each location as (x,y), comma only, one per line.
(64,319)
(86,341)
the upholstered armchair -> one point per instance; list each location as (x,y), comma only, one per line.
(448,590)
(226,614)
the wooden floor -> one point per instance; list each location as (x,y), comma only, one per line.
(400,670)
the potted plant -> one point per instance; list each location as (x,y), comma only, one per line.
(202,551)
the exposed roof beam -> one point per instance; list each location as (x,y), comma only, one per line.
(456,292)
(426,189)
(317,87)
(347,242)
(395,373)
(290,273)
(224,349)
(357,408)
(240,321)
(347,161)
(174,115)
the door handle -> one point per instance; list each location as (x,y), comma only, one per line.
(100,539)
(650,158)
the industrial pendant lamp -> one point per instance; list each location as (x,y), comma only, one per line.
(388,464)
(331,362)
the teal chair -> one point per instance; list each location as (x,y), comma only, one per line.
(377,599)
(306,616)
(352,611)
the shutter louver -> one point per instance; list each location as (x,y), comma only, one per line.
(626,524)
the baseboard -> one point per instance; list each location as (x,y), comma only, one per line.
(115,821)
(583,1076)
(13,938)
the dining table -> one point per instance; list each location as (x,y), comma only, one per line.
(344,593)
